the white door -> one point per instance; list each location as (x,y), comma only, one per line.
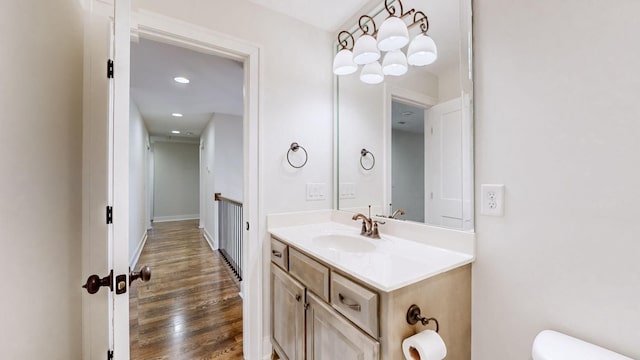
(443,164)
(105,179)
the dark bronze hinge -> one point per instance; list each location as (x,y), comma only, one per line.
(109,215)
(110,355)
(110,69)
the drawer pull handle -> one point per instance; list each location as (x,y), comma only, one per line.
(351,305)
(276,253)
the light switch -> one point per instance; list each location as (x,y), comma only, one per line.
(316,191)
(347,190)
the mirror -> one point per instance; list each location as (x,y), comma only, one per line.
(406,143)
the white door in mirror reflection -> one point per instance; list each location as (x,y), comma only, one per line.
(444,164)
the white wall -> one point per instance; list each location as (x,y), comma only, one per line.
(138,177)
(209,206)
(222,167)
(228,161)
(449,84)
(558,122)
(40,181)
(407,179)
(176,177)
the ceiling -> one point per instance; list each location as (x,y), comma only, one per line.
(215,86)
(405,117)
(326,14)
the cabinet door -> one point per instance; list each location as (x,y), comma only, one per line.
(330,336)
(287,315)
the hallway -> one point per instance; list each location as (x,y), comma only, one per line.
(190,309)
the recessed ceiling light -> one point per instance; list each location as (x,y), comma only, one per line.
(176,115)
(175,132)
(402,122)
(407,113)
(181,80)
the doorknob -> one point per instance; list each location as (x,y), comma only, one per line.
(94,283)
(144,274)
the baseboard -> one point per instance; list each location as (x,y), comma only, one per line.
(176,218)
(136,255)
(209,239)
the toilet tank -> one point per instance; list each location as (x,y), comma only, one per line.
(552,345)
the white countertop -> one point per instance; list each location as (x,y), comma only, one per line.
(393,264)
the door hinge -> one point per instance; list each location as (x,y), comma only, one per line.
(110,69)
(109,215)
(431,196)
(432,130)
(110,355)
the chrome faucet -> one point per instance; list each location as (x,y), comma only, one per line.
(369,226)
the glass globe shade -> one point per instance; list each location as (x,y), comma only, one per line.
(422,51)
(372,73)
(395,63)
(365,50)
(393,34)
(343,63)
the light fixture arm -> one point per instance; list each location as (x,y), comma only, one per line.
(388,5)
(364,25)
(421,18)
(343,39)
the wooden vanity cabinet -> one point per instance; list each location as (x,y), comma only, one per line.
(319,313)
(330,336)
(304,325)
(287,315)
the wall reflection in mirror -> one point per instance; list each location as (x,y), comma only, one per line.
(417,126)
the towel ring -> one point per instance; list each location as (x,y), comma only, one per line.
(295,147)
(364,153)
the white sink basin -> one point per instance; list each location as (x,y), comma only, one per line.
(345,243)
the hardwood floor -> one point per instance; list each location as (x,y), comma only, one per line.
(190,309)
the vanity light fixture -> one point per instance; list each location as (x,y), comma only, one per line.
(181,80)
(392,36)
(176,115)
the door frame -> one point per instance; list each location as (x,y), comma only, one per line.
(406,96)
(159,27)
(180,33)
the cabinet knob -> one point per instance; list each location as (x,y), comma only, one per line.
(298,297)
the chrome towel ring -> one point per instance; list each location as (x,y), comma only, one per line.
(363,154)
(295,147)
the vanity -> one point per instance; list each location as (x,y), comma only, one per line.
(338,295)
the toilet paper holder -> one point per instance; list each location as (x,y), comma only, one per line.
(413,316)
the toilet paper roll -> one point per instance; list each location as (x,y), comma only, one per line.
(425,345)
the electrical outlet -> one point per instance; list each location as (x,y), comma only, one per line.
(316,191)
(492,199)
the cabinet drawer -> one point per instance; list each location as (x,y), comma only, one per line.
(357,303)
(311,273)
(280,254)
